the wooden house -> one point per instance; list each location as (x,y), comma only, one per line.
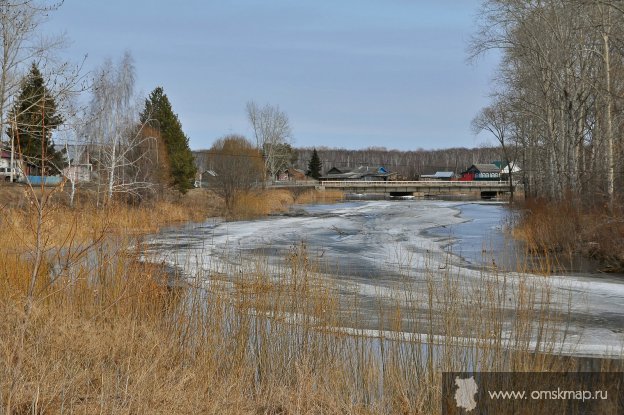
(21,168)
(79,168)
(511,168)
(361,173)
(204,178)
(291,174)
(488,171)
(439,176)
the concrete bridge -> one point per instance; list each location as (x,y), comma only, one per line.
(487,189)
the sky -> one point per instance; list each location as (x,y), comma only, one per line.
(350,73)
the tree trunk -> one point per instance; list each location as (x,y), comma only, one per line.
(609,123)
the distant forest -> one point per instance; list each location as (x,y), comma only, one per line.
(408,164)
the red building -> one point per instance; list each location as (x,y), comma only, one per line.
(481,172)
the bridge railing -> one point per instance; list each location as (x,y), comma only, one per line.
(292,183)
(414,183)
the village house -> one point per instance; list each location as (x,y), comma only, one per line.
(204,178)
(20,167)
(487,171)
(79,168)
(439,176)
(512,168)
(5,167)
(360,173)
(291,174)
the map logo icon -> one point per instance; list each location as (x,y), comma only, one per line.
(466,391)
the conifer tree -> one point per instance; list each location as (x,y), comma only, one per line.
(32,120)
(159,115)
(315,166)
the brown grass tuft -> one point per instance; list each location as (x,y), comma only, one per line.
(565,228)
(255,204)
(260,203)
(316,196)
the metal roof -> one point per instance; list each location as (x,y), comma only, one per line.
(486,168)
(358,172)
(444,174)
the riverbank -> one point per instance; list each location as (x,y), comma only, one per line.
(100,332)
(168,208)
(374,247)
(261,203)
(561,231)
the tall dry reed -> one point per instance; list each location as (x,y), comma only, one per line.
(564,229)
(255,204)
(108,333)
(317,196)
(259,203)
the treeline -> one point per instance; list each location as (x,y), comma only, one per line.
(557,107)
(408,164)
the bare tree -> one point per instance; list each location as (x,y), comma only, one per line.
(238,166)
(273,134)
(112,130)
(151,161)
(562,68)
(496,119)
(605,22)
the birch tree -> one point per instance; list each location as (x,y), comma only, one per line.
(272,132)
(113,133)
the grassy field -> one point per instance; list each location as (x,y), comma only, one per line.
(88,328)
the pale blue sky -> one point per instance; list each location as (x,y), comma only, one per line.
(350,73)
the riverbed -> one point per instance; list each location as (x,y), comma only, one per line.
(382,249)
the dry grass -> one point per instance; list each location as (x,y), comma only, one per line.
(103,333)
(113,339)
(316,196)
(86,221)
(555,229)
(255,204)
(548,226)
(199,204)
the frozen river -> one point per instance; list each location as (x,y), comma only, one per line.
(378,248)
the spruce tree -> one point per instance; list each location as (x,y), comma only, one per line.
(315,166)
(159,115)
(32,120)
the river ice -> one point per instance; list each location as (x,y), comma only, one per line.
(374,245)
